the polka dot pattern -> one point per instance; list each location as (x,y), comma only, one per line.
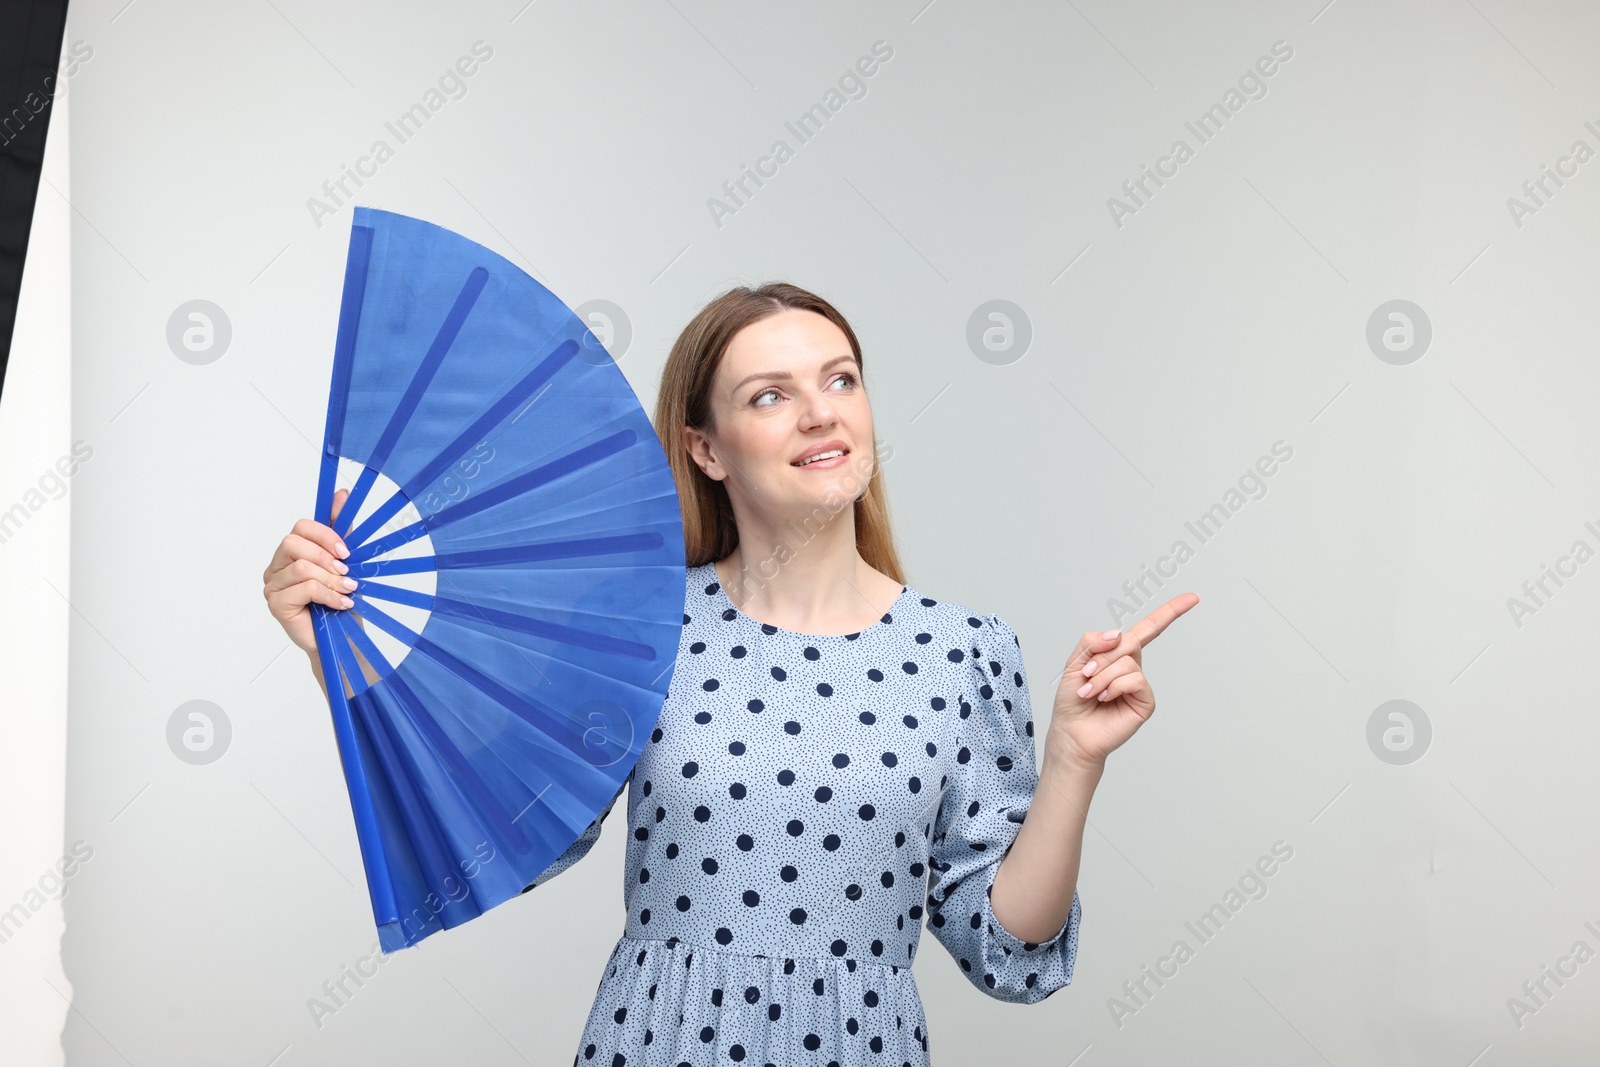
(803,804)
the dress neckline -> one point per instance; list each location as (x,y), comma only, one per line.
(726,603)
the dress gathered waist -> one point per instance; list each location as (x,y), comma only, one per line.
(849,964)
(675,1002)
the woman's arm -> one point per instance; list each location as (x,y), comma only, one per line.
(1034,885)
(1102,699)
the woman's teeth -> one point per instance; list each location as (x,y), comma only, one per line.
(821,455)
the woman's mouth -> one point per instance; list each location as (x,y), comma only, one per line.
(828,460)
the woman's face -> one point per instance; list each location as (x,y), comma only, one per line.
(788,386)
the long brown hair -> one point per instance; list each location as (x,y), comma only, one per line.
(709,530)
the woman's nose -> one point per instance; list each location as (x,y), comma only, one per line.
(817,410)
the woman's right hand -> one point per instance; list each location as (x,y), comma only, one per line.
(306,567)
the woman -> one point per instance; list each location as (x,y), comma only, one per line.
(836,750)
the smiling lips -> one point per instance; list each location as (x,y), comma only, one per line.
(824,457)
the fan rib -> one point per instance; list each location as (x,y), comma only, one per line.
(374,852)
(346,658)
(548,550)
(397,594)
(421,832)
(545,370)
(470,780)
(550,631)
(560,467)
(490,557)
(545,721)
(465,299)
(355,290)
(537,715)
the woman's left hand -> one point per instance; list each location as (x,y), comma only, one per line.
(1084,728)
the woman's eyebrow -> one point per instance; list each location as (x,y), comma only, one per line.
(785,375)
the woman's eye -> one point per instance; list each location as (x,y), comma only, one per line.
(848,378)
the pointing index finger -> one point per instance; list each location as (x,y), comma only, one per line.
(1149,628)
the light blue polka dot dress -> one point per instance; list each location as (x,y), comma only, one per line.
(803,802)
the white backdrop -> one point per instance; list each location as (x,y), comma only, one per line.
(38,867)
(1199,383)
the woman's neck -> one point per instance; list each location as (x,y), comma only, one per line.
(807,590)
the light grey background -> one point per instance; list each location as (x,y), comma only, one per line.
(1168,355)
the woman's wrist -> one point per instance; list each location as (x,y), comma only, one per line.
(1063,758)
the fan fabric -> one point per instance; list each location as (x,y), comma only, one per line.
(512,501)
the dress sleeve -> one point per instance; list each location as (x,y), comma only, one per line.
(580,848)
(979,817)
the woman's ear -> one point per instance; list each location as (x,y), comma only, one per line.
(699,448)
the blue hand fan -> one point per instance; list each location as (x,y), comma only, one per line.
(516,533)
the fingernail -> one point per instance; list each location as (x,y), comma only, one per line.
(349,583)
(1109,634)
(346,602)
(1105,694)
(1090,667)
(341,567)
(339,547)
(1083,690)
